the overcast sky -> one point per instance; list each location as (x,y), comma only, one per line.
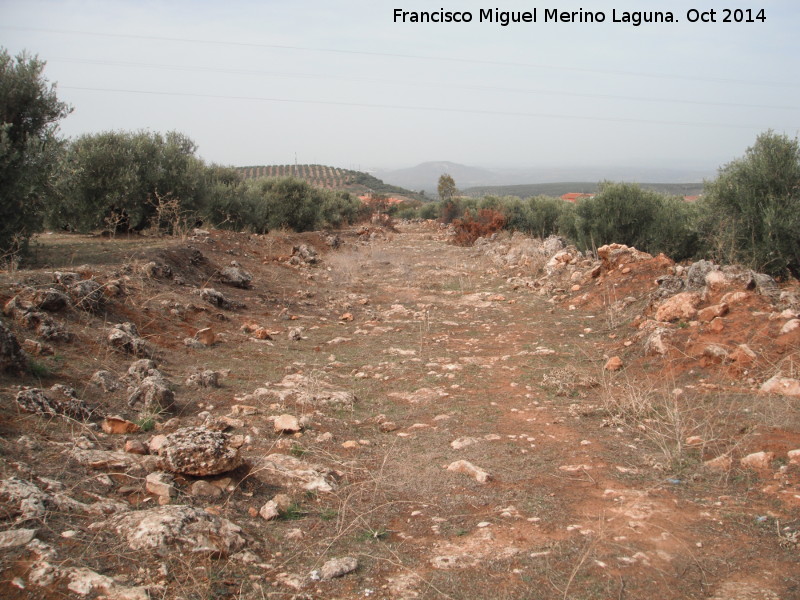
(338,82)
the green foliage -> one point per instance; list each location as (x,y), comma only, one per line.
(29,148)
(429,211)
(538,216)
(447,187)
(293,512)
(119,176)
(624,213)
(751,212)
(296,204)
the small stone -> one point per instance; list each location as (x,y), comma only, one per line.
(388,427)
(350,444)
(613,364)
(118,425)
(160,484)
(758,460)
(712,312)
(790,326)
(783,386)
(794,457)
(681,306)
(742,355)
(337,567)
(273,509)
(156,442)
(287,424)
(135,447)
(206,336)
(262,334)
(467,468)
(203,488)
(16,537)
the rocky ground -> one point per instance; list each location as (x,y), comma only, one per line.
(382,414)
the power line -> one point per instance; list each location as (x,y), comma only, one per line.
(450,59)
(258,72)
(415,108)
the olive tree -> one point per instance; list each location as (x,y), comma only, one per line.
(122,179)
(29,146)
(751,211)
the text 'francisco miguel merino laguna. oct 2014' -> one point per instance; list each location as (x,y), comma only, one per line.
(504,18)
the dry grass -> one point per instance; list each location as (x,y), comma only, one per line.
(682,426)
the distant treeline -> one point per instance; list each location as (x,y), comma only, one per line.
(749,215)
(130,181)
(529,190)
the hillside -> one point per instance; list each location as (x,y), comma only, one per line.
(334,178)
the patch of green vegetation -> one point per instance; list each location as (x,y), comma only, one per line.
(297,450)
(293,512)
(39,369)
(328,514)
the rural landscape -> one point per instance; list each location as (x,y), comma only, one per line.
(301,382)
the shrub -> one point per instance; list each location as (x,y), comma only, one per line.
(624,213)
(471,227)
(751,212)
(537,216)
(296,204)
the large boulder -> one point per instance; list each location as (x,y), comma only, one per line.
(125,337)
(236,276)
(617,255)
(181,527)
(782,386)
(682,306)
(87,295)
(697,273)
(58,400)
(155,394)
(283,470)
(198,451)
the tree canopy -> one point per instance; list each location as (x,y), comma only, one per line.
(29,147)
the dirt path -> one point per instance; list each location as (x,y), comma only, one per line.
(479,459)
(576,506)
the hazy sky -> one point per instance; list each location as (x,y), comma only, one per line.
(338,82)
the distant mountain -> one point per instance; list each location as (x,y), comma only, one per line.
(426,175)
